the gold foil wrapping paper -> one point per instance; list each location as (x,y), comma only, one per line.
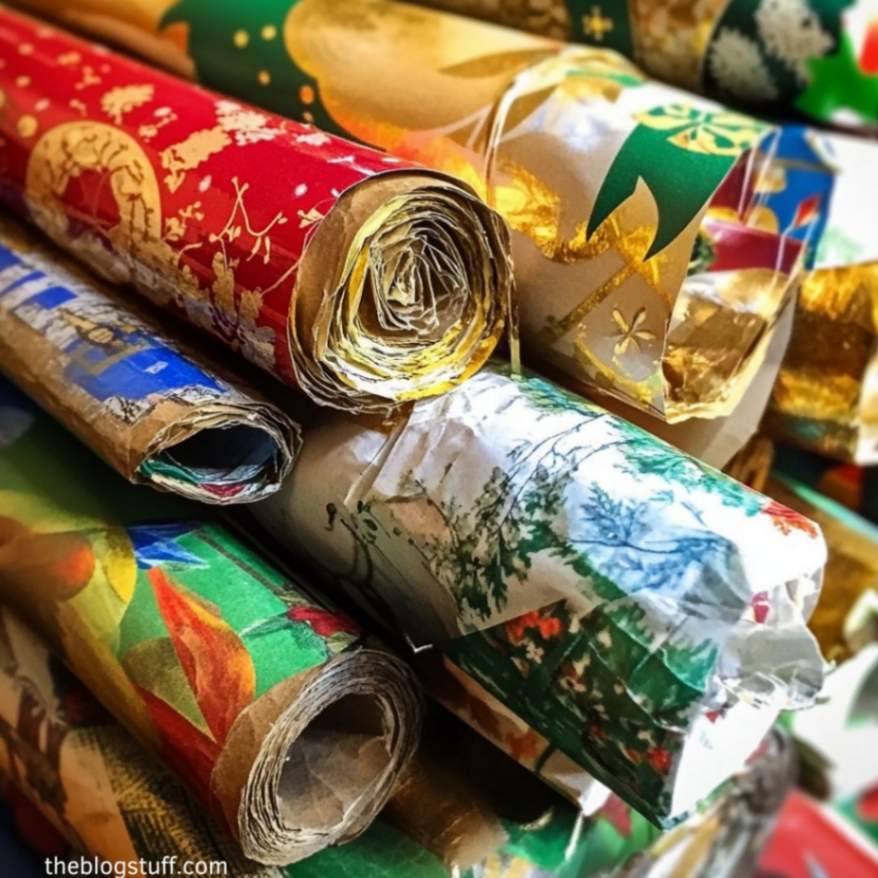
(625,197)
(155,408)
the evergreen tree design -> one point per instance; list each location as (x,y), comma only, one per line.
(605,685)
(239,48)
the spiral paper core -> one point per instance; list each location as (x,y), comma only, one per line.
(419,299)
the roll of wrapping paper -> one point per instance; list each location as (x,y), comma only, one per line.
(846,617)
(624,282)
(826,397)
(109,798)
(815,57)
(286,729)
(596,600)
(153,407)
(838,737)
(102,792)
(363,279)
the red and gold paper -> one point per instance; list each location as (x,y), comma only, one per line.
(299,249)
(636,276)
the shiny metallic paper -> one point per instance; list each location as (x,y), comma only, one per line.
(361,278)
(826,396)
(817,57)
(636,273)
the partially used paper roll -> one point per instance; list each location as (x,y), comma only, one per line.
(597,602)
(363,279)
(268,706)
(155,408)
(636,274)
(463,808)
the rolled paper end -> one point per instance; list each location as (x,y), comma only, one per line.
(220,455)
(157,410)
(331,759)
(419,300)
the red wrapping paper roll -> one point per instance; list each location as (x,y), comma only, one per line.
(361,278)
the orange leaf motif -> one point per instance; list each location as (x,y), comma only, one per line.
(216,663)
(189,753)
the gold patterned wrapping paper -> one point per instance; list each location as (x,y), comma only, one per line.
(272,709)
(361,278)
(154,407)
(636,275)
(826,395)
(818,58)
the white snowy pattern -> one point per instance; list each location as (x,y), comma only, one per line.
(737,65)
(790,31)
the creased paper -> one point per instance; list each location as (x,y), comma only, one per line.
(265,703)
(826,395)
(639,615)
(462,808)
(636,274)
(153,407)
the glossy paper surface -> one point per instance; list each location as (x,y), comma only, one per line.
(600,602)
(826,396)
(202,650)
(815,57)
(228,216)
(626,283)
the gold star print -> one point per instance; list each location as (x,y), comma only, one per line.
(596,25)
(631,333)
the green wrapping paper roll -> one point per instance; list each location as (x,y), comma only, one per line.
(637,275)
(153,407)
(598,602)
(285,728)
